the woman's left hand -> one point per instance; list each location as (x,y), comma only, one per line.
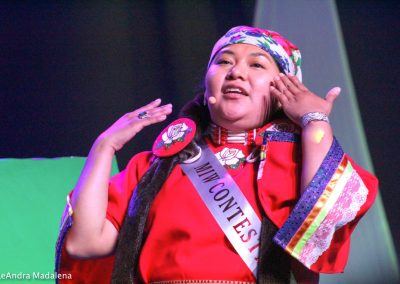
(297,100)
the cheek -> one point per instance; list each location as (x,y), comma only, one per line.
(261,88)
(263,100)
(262,106)
(213,80)
(209,79)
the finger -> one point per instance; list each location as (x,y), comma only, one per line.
(280,86)
(290,85)
(278,95)
(150,105)
(148,119)
(153,116)
(161,109)
(138,114)
(297,83)
(333,94)
(153,119)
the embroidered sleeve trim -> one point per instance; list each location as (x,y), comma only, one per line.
(332,199)
(282,136)
(279,131)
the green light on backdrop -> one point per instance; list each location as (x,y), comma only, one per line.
(32,198)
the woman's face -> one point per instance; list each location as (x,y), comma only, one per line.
(239,78)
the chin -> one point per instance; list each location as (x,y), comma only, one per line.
(235,120)
(238,125)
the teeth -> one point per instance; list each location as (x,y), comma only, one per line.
(233,90)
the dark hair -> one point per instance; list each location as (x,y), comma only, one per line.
(199,113)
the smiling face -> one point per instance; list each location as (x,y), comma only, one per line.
(239,78)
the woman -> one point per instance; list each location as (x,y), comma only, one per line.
(276,196)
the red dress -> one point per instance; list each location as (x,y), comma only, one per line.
(184,242)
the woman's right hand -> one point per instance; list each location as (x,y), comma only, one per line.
(125,128)
(92,234)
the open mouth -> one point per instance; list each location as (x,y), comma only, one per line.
(234,91)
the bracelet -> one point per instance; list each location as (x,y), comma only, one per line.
(312,116)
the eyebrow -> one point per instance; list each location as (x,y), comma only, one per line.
(253,54)
(226,51)
(256,54)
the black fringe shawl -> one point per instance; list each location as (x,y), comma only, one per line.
(130,238)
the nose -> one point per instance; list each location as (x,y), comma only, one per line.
(237,71)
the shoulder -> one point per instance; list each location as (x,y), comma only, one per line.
(140,162)
(134,170)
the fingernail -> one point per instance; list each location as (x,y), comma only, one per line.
(157,100)
(281,74)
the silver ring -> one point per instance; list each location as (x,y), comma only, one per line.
(143,115)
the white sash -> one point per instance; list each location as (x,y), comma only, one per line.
(227,204)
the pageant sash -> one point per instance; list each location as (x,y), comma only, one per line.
(227,204)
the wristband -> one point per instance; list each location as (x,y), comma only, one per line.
(312,116)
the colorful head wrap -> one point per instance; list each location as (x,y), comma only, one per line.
(286,55)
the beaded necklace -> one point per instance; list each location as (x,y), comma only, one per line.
(222,136)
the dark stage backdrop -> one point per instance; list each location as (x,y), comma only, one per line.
(371,30)
(68,70)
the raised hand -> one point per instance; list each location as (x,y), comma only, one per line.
(92,234)
(297,100)
(125,128)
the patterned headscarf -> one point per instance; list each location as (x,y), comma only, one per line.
(286,55)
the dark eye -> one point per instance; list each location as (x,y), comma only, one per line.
(223,62)
(257,65)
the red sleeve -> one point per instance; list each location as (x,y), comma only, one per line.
(122,185)
(334,259)
(317,231)
(99,270)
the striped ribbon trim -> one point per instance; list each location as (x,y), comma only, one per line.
(323,199)
(321,209)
